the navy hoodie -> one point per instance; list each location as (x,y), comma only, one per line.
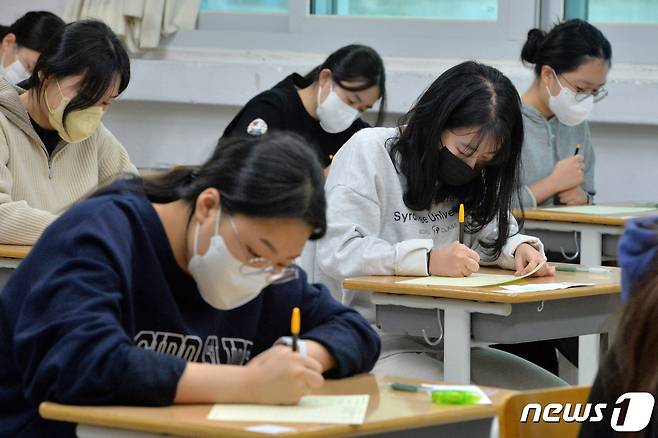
(100,313)
(638,250)
(638,254)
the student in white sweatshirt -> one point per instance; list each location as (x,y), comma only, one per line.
(393,196)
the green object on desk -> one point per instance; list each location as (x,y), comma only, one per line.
(576,268)
(455,397)
(408,387)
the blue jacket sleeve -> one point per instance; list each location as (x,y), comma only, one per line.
(340,329)
(69,340)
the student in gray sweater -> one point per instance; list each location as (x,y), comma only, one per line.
(571,64)
(393,196)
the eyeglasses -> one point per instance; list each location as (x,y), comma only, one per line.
(598,95)
(261,265)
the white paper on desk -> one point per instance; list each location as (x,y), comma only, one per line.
(474,280)
(516,288)
(600,210)
(329,409)
(271,429)
(484,399)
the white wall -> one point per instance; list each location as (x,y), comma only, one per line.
(10,10)
(627,155)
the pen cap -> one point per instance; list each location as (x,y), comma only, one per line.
(461,213)
(295,321)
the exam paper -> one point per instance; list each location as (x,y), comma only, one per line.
(516,288)
(474,280)
(331,409)
(601,210)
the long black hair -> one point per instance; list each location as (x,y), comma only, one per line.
(88,48)
(34,29)
(355,63)
(468,95)
(270,176)
(566,47)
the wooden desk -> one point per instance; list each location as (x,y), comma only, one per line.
(461,315)
(14,252)
(591,227)
(10,258)
(388,412)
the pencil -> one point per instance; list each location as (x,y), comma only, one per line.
(295,325)
(577,149)
(461,223)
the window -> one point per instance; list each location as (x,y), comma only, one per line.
(249,6)
(431,9)
(630,26)
(613,11)
(475,29)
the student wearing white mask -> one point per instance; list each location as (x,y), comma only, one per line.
(571,65)
(54,148)
(23,41)
(179,289)
(324,106)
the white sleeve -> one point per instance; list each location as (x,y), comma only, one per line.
(352,245)
(506,258)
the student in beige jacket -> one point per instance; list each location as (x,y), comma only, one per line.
(53,147)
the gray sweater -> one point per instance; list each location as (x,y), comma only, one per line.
(370,229)
(546,142)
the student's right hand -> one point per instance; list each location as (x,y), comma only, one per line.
(281,376)
(568,173)
(454,260)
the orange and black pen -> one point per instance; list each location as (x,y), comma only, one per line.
(295,325)
(461,223)
(577,149)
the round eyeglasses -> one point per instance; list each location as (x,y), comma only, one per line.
(276,274)
(597,95)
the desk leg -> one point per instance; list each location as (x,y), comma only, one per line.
(457,346)
(590,247)
(589,350)
(5,273)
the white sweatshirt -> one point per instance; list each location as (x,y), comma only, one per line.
(372,232)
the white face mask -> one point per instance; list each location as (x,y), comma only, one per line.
(14,72)
(218,276)
(566,108)
(334,114)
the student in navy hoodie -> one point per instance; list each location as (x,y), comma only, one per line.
(178,289)
(631,364)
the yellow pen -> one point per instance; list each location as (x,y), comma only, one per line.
(461,223)
(295,326)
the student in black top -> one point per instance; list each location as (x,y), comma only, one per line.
(325,105)
(178,289)
(632,363)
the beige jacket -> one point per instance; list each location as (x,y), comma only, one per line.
(35,188)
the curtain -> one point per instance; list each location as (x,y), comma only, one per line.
(140,23)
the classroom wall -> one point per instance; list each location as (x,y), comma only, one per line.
(627,155)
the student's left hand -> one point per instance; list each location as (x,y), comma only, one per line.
(527,258)
(573,196)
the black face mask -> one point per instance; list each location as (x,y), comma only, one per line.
(453,171)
